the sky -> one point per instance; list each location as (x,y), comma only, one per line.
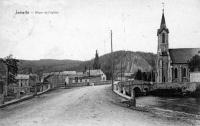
(74,29)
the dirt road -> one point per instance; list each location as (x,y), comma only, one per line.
(86,106)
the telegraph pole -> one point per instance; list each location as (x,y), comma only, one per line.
(121,70)
(112,58)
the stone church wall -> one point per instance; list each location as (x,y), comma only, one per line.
(180,77)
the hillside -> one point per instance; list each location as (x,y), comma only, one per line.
(46,65)
(131,62)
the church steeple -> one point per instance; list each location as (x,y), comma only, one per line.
(162,34)
(163,52)
(163,24)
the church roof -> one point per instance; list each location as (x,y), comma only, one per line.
(183,55)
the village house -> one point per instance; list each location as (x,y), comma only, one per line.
(57,79)
(25,82)
(172,64)
(88,77)
(96,75)
(77,79)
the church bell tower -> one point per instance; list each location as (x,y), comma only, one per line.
(163,52)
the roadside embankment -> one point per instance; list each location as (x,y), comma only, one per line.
(27,97)
(158,112)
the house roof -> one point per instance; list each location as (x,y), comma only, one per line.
(183,55)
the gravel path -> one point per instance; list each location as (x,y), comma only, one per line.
(85,106)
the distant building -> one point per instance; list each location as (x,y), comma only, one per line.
(57,77)
(96,75)
(77,79)
(25,82)
(172,64)
(90,76)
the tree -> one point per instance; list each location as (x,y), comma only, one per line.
(138,75)
(194,63)
(144,76)
(85,69)
(96,64)
(12,68)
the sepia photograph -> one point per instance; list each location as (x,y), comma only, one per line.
(99,63)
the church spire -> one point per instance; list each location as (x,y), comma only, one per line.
(163,24)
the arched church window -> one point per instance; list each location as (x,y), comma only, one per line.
(184,72)
(163,37)
(176,73)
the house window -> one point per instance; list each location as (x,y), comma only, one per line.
(163,37)
(176,73)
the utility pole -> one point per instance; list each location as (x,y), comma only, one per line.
(121,70)
(112,57)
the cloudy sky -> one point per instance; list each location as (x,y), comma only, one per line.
(74,29)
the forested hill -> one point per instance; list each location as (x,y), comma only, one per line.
(127,60)
(130,62)
(46,65)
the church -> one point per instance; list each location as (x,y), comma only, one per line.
(172,64)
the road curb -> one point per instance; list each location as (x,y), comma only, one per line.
(16,101)
(40,93)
